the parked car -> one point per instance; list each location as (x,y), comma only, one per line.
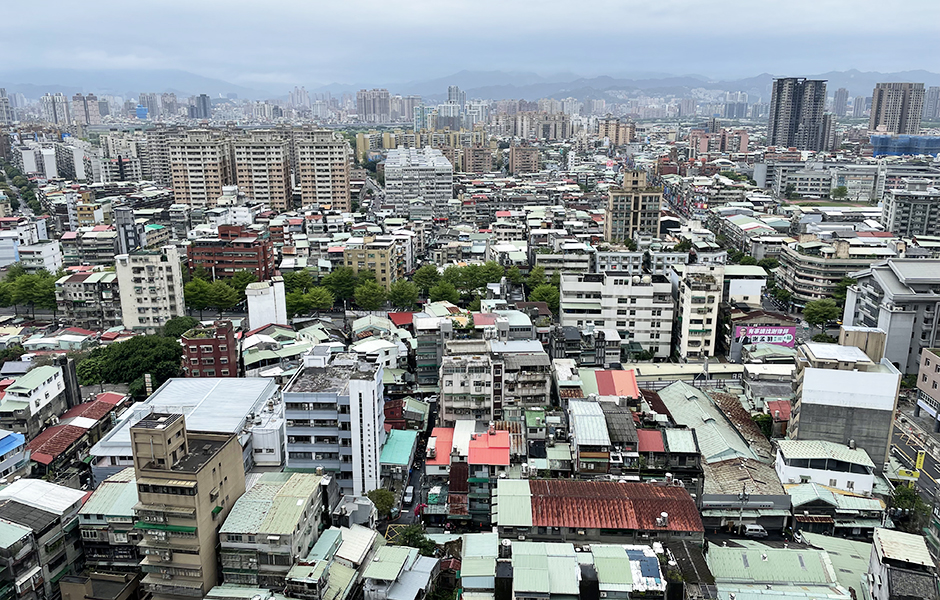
(409,497)
(755,531)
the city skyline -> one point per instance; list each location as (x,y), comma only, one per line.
(291,43)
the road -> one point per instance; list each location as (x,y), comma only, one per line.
(905,445)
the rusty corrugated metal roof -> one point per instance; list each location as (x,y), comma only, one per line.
(611,505)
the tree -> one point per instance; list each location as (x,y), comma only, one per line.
(127,362)
(820,312)
(766,424)
(536,277)
(824,338)
(383,499)
(222,296)
(320,298)
(444,291)
(426,277)
(370,296)
(44,293)
(403,294)
(25,291)
(748,260)
(341,282)
(842,290)
(514,275)
(839,192)
(453,275)
(548,294)
(200,272)
(240,281)
(769,263)
(177,326)
(298,281)
(297,303)
(908,509)
(492,272)
(196,295)
(555,279)
(364,276)
(14,272)
(413,537)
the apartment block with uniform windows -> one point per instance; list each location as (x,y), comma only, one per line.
(236,249)
(321,168)
(187,484)
(151,286)
(632,208)
(262,167)
(385,258)
(210,351)
(200,165)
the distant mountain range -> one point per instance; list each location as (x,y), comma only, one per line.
(477,84)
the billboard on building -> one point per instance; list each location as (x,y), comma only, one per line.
(781,336)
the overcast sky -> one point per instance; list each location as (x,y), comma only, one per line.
(277,43)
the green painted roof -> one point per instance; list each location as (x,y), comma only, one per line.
(274,505)
(388,562)
(849,558)
(252,357)
(33,379)
(513,503)
(532,418)
(804,493)
(10,533)
(114,497)
(613,567)
(477,566)
(480,545)
(398,447)
(770,565)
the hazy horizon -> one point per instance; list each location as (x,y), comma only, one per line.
(282,43)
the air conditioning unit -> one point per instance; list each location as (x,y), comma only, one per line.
(580,532)
(521,538)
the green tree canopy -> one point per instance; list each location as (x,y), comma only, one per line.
(383,499)
(444,291)
(298,281)
(514,275)
(684,245)
(403,294)
(548,294)
(492,272)
(320,298)
(840,192)
(177,326)
(221,296)
(370,295)
(240,281)
(297,303)
(820,312)
(413,536)
(426,277)
(127,362)
(196,295)
(842,290)
(14,272)
(341,282)
(769,263)
(748,260)
(536,277)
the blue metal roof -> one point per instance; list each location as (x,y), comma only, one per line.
(11,441)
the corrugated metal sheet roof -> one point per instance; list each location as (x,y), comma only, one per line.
(770,565)
(273,505)
(820,449)
(398,447)
(388,562)
(443,445)
(650,440)
(681,440)
(902,546)
(595,504)
(588,425)
(114,497)
(491,448)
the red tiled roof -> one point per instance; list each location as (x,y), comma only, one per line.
(444,446)
(611,505)
(263,327)
(650,440)
(111,398)
(490,449)
(570,392)
(400,319)
(52,442)
(783,406)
